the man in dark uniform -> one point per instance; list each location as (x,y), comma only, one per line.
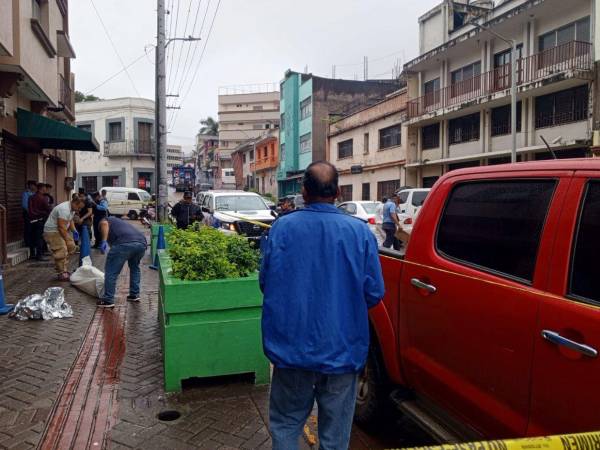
(185,212)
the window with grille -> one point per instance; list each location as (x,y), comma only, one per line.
(430,136)
(464,129)
(390,137)
(306,108)
(89,184)
(305,143)
(345,149)
(346,192)
(387,188)
(562,107)
(115,132)
(501,120)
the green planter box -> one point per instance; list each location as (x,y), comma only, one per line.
(210,328)
(154,237)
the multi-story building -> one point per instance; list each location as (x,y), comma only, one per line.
(306,104)
(459,86)
(368,148)
(174,158)
(242,158)
(205,160)
(264,166)
(245,112)
(125,127)
(36,109)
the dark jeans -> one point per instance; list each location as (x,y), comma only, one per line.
(97,218)
(293,393)
(132,252)
(390,238)
(37,238)
(27,235)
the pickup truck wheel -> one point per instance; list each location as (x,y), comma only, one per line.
(371,398)
(132,215)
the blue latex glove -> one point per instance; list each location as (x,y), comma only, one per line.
(103,247)
(75,235)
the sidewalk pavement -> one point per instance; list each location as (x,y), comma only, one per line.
(96,380)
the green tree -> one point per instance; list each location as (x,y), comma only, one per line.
(209,126)
(81,97)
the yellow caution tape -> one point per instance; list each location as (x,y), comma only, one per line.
(581,441)
(254,222)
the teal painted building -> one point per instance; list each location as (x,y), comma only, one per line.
(306,103)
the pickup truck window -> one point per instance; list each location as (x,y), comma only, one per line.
(496,225)
(419,197)
(584,283)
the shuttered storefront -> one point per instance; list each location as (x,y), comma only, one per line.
(13,168)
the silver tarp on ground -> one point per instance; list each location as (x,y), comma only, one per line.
(50,305)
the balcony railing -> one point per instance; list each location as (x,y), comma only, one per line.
(263,164)
(137,147)
(66,96)
(571,56)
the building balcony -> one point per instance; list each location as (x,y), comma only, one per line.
(571,60)
(66,96)
(264,164)
(137,147)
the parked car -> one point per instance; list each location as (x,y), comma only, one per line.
(411,200)
(490,326)
(123,201)
(365,210)
(229,211)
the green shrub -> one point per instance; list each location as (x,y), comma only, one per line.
(207,254)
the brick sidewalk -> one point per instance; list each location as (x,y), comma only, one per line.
(96,381)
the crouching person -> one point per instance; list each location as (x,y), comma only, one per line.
(57,234)
(126,244)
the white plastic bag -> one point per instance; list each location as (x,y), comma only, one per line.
(88,278)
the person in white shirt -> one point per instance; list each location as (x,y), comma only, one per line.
(57,234)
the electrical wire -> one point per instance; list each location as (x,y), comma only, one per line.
(199,63)
(115,48)
(120,71)
(182,43)
(186,67)
(175,43)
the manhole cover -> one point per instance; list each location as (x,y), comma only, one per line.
(169,416)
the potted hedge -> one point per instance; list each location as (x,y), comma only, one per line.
(210,307)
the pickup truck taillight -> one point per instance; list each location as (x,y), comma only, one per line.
(408,221)
(371,220)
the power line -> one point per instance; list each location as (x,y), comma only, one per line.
(173,116)
(199,60)
(119,72)
(114,48)
(173,35)
(186,68)
(187,19)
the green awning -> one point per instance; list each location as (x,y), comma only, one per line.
(48,133)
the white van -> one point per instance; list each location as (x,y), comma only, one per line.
(123,201)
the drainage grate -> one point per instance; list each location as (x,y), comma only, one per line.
(169,415)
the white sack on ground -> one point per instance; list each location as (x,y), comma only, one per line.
(88,278)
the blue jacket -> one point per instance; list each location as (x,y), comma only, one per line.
(320,273)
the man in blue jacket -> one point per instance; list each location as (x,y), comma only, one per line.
(320,273)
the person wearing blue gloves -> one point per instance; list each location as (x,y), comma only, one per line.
(126,244)
(57,234)
(315,324)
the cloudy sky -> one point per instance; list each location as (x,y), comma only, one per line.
(251,42)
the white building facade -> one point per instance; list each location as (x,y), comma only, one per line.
(245,113)
(459,86)
(124,127)
(369,149)
(174,158)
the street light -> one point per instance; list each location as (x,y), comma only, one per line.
(513,87)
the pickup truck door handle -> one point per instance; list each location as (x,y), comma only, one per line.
(557,339)
(421,285)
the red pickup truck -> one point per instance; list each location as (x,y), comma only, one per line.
(490,326)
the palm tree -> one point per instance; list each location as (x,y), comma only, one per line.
(209,126)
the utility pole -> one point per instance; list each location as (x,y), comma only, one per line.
(161,113)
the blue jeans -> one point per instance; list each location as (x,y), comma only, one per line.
(132,252)
(293,393)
